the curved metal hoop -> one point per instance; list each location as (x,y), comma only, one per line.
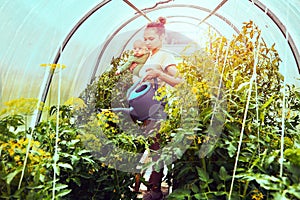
(261,6)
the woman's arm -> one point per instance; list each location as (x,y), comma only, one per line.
(168,75)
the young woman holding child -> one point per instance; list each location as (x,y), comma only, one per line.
(155,63)
(162,66)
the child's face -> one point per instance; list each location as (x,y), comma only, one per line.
(139,50)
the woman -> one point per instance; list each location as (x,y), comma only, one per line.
(161,65)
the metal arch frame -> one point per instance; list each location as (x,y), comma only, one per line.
(107,43)
(174,16)
(205,10)
(104,2)
(190,17)
(182,16)
(282,28)
(136,16)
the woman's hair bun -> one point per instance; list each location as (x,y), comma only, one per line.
(162,20)
(159,25)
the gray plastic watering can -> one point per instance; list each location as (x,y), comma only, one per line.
(142,104)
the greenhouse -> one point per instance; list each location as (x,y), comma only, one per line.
(150,99)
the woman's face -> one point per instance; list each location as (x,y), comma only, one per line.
(152,39)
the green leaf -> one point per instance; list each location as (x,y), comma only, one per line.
(203,176)
(297,95)
(36,187)
(76,180)
(294,190)
(42,178)
(231,149)
(65,165)
(184,172)
(220,186)
(178,152)
(56,169)
(36,177)
(199,196)
(63,193)
(242,85)
(265,105)
(268,182)
(279,196)
(11,175)
(220,193)
(228,115)
(83,152)
(74,159)
(72,142)
(179,194)
(60,186)
(271,158)
(88,159)
(195,188)
(223,174)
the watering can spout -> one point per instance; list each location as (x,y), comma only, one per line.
(142,104)
(125,110)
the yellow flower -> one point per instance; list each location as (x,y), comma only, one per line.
(43,170)
(36,143)
(53,66)
(41,152)
(99,115)
(26,141)
(11,152)
(257,195)
(199,140)
(3,145)
(91,171)
(25,106)
(17,158)
(206,95)
(194,90)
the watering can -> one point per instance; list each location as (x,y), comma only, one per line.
(142,104)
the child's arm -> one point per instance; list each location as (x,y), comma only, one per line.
(126,65)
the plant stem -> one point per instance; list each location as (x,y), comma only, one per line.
(8,189)
(245,189)
(203,164)
(26,119)
(118,185)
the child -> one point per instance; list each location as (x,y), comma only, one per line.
(137,60)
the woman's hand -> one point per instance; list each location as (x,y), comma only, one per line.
(151,74)
(168,76)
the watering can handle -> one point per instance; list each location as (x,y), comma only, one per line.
(155,84)
(137,83)
(133,87)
